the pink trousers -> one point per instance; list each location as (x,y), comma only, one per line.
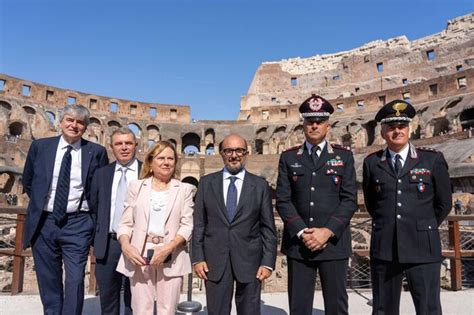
(149,284)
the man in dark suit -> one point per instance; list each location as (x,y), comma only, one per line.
(59,226)
(407,192)
(234,237)
(107,196)
(316,198)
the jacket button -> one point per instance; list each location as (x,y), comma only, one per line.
(312,188)
(314,173)
(294,173)
(311,203)
(400,181)
(399,216)
(399,204)
(399,192)
(311,219)
(429,227)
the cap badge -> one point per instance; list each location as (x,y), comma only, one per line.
(315,104)
(399,107)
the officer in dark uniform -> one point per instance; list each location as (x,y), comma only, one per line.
(316,198)
(408,194)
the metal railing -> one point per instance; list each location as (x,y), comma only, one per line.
(458,249)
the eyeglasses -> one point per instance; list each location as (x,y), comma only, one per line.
(238,151)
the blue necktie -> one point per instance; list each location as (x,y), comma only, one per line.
(231,201)
(62,188)
(119,198)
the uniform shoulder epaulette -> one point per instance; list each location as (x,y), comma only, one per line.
(338,146)
(426,149)
(296,147)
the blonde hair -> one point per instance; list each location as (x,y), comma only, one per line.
(152,153)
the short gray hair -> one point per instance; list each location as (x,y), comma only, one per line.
(77,111)
(123,131)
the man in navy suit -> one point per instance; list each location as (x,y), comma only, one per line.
(59,226)
(107,204)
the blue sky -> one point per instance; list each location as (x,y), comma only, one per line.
(199,53)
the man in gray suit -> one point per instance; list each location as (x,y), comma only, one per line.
(234,237)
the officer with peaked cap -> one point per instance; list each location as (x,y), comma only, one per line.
(316,198)
(408,194)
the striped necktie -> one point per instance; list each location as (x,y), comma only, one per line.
(62,188)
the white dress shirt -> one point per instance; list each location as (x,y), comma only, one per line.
(76,188)
(132,174)
(403,155)
(238,183)
(321,146)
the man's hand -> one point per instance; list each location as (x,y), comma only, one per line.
(263,273)
(201,269)
(133,255)
(316,238)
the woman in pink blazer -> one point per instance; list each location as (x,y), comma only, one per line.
(156,225)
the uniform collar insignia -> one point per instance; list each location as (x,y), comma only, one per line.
(330,149)
(413,153)
(296,165)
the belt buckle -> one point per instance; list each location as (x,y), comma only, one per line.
(155,239)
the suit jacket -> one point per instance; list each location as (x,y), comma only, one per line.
(321,195)
(101,193)
(179,220)
(249,241)
(38,174)
(407,209)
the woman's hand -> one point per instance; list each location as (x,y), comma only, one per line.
(133,255)
(160,254)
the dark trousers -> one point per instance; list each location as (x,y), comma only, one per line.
(219,294)
(110,281)
(423,282)
(53,246)
(302,280)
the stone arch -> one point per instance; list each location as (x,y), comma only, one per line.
(259,146)
(451,103)
(153,133)
(112,125)
(16,129)
(51,118)
(370,131)
(95,129)
(190,143)
(209,136)
(190,180)
(297,136)
(261,135)
(210,149)
(277,142)
(137,130)
(467,118)
(5,106)
(439,126)
(346,140)
(7,181)
(172,141)
(190,168)
(29,110)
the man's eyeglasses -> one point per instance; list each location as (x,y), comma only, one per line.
(238,151)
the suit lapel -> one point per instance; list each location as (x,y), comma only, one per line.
(174,189)
(303,156)
(246,193)
(217,187)
(51,150)
(86,155)
(145,202)
(108,183)
(384,164)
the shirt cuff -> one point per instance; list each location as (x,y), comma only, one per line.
(300,233)
(269,268)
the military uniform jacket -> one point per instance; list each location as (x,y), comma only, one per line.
(321,195)
(407,209)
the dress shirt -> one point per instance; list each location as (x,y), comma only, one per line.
(132,174)
(238,183)
(76,188)
(403,155)
(158,203)
(321,146)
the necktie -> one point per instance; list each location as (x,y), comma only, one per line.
(120,198)
(62,188)
(231,201)
(398,164)
(314,154)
